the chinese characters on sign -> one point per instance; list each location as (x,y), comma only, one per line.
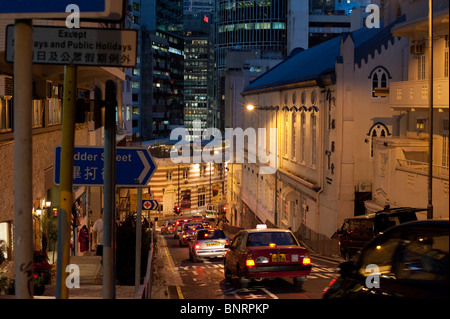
(134,166)
(96,47)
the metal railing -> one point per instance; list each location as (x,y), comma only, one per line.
(318,243)
(422,167)
(145,289)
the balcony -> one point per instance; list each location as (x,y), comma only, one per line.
(421,168)
(414,94)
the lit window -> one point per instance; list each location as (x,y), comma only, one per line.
(379,80)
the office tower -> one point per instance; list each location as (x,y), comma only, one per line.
(157,80)
(199,71)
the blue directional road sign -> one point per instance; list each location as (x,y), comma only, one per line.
(134,166)
(150,204)
(57,9)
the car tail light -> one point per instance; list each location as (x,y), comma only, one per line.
(197,246)
(306,260)
(272,245)
(249,262)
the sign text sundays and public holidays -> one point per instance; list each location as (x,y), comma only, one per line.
(79,44)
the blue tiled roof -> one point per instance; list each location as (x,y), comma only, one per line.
(314,62)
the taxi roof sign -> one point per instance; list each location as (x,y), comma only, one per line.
(261,226)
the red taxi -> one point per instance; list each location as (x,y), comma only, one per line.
(266,253)
(168,227)
(179,226)
(188,232)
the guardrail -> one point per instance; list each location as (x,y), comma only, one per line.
(145,289)
(422,167)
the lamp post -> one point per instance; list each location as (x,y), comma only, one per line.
(431,120)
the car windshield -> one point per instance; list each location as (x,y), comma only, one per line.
(211,234)
(192,226)
(267,238)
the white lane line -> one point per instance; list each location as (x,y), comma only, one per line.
(269,293)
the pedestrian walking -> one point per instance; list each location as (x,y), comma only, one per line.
(98,234)
(83,239)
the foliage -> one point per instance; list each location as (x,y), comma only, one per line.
(126,250)
(38,283)
(41,266)
(5,282)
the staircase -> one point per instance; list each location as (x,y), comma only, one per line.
(90,269)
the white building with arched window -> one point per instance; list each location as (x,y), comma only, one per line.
(327,103)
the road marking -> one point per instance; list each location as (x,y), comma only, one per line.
(172,267)
(269,293)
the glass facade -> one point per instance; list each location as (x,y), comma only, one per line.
(250,25)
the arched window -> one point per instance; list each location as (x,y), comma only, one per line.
(377,130)
(313,139)
(380,79)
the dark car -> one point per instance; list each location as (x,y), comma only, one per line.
(179,226)
(357,231)
(188,231)
(168,227)
(266,253)
(406,261)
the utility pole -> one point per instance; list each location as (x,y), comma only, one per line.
(23,229)
(109,262)
(431,115)
(66,184)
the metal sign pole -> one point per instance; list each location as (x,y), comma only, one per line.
(66,172)
(23,229)
(109,193)
(137,274)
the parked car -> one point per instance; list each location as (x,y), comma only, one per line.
(210,243)
(407,261)
(168,227)
(266,253)
(357,231)
(188,231)
(179,227)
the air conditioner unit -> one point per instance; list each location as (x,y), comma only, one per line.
(44,89)
(417,49)
(6,86)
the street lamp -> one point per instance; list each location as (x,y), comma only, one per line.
(250,107)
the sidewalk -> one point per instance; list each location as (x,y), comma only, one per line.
(91,284)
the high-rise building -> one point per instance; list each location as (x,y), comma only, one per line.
(198,71)
(275,28)
(157,80)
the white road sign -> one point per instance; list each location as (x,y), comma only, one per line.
(83,46)
(57,9)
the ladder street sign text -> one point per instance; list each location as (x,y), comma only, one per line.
(83,46)
(134,166)
(56,9)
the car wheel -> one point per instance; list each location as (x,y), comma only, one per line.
(347,255)
(193,258)
(242,281)
(298,282)
(228,274)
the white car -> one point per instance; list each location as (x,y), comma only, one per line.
(210,243)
